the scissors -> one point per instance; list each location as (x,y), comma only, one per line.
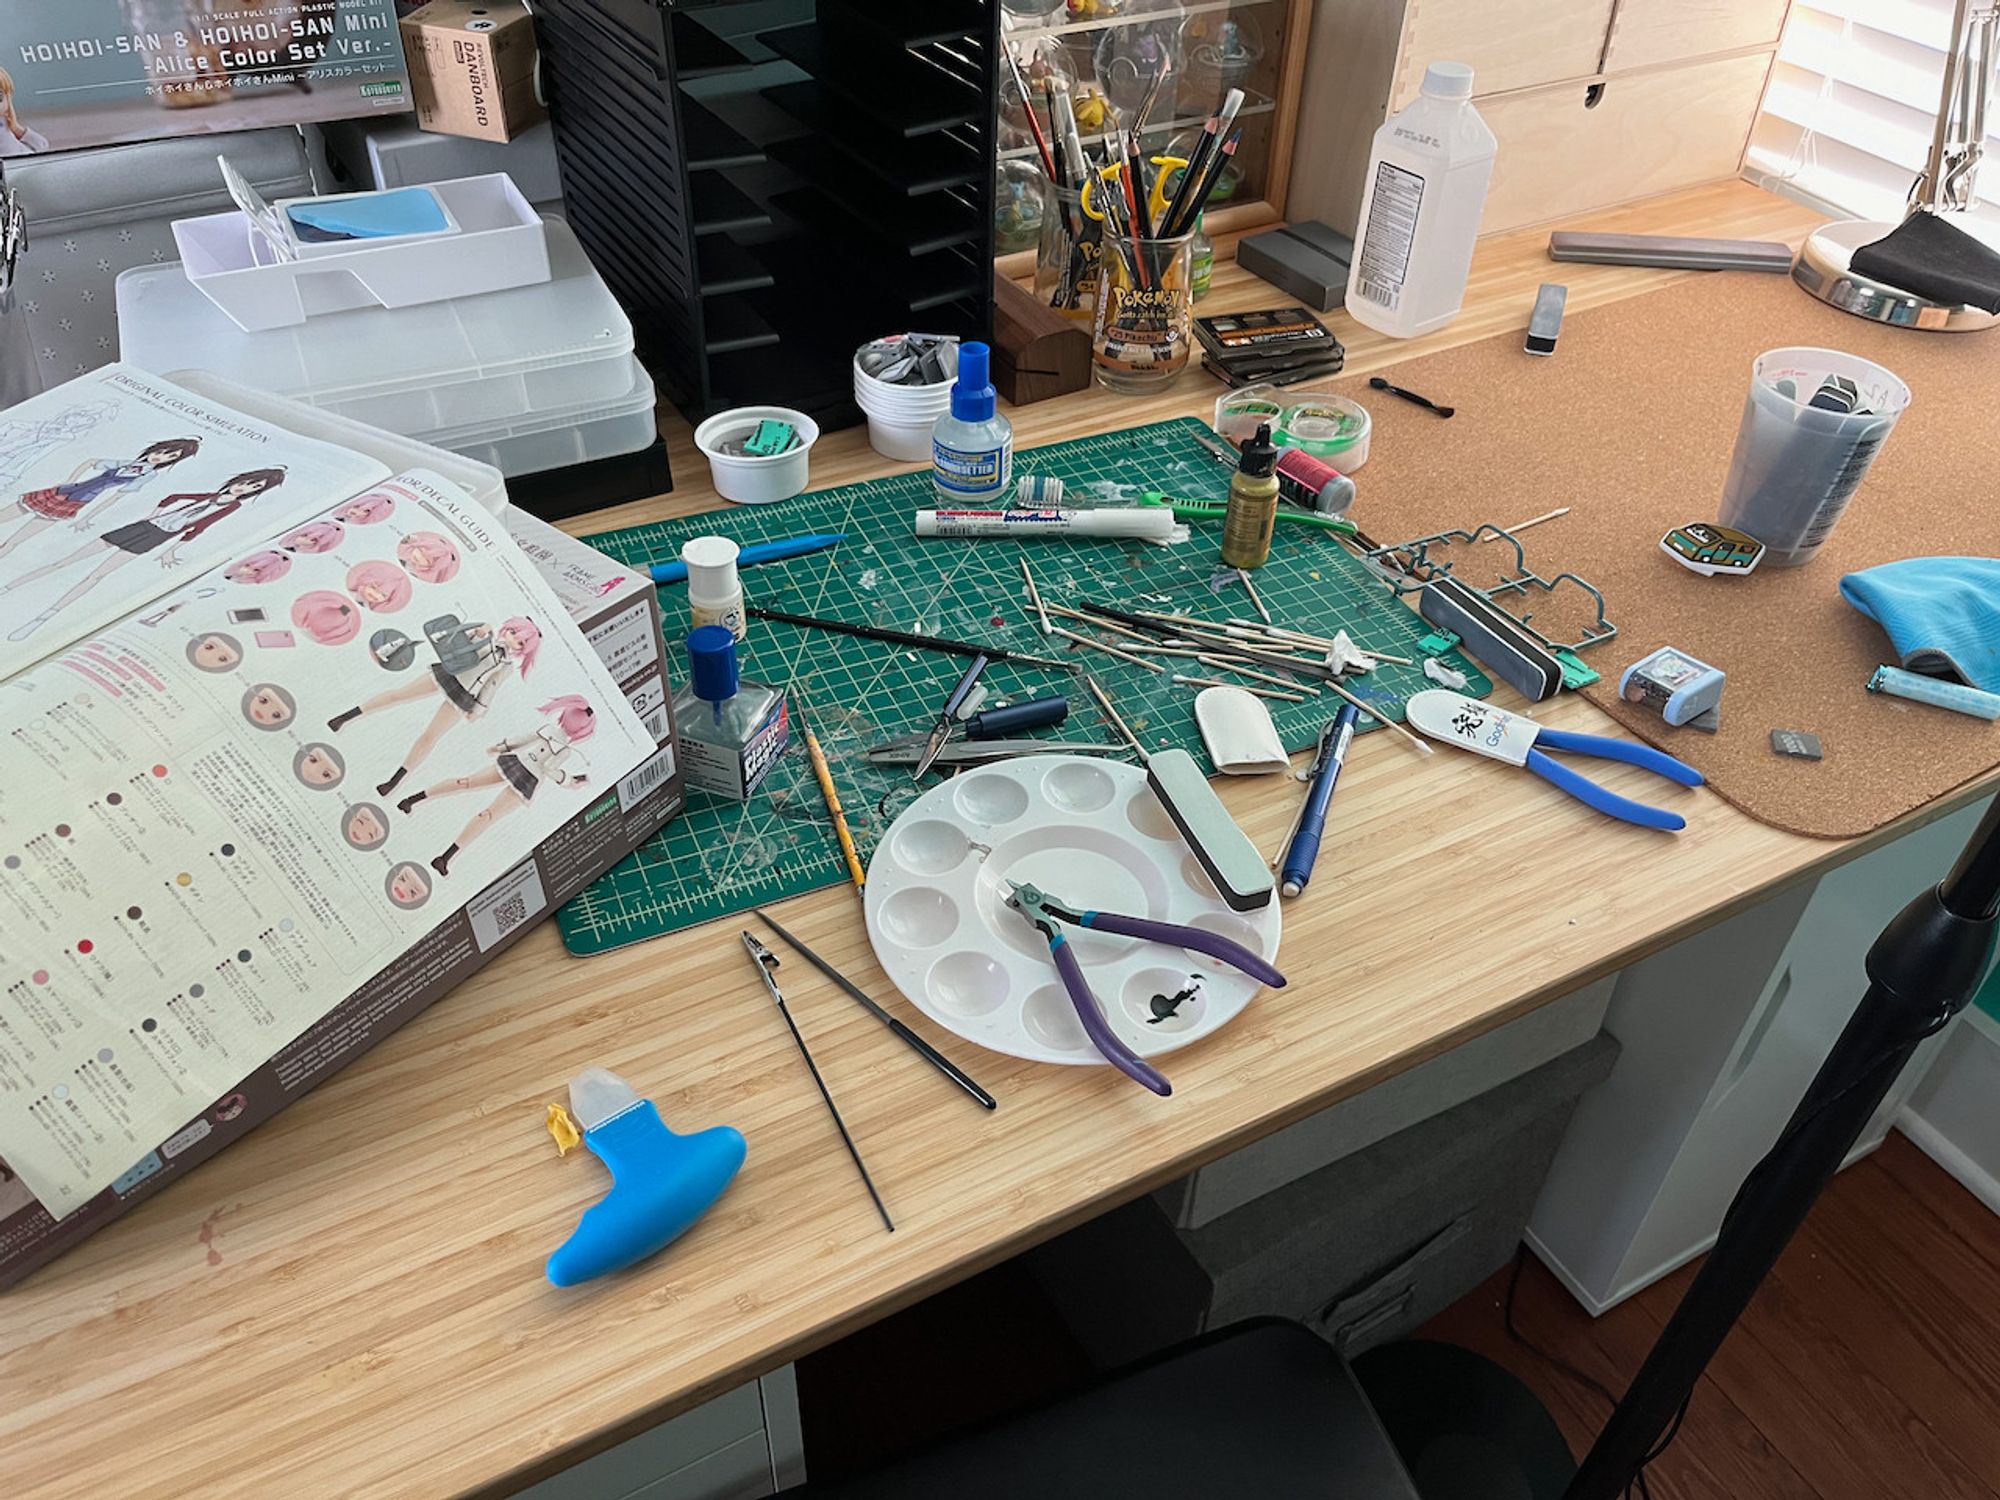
(1156,201)
(1500,735)
(1048,915)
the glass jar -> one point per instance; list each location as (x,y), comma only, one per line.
(1143,328)
(1066,258)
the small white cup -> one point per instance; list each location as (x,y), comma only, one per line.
(746,478)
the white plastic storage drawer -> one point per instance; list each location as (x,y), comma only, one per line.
(571,435)
(415,370)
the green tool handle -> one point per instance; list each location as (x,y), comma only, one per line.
(1215,510)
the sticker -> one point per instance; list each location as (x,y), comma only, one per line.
(1713,551)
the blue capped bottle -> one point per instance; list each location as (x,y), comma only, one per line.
(972,445)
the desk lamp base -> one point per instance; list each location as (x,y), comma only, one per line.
(1823,268)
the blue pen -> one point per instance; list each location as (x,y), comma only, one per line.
(757,552)
(1304,847)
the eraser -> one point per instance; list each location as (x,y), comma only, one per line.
(1232,862)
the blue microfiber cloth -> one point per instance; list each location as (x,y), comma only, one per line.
(1941,613)
(371,216)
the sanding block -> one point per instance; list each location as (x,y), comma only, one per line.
(1502,644)
(1231,861)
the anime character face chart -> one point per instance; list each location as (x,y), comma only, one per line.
(215,652)
(269,707)
(393,651)
(259,567)
(365,827)
(190,765)
(329,618)
(408,886)
(319,767)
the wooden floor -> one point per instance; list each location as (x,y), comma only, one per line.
(1867,1369)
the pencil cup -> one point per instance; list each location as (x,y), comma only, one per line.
(1812,424)
(1066,258)
(1144,323)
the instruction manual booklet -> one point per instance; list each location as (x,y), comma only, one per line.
(269,716)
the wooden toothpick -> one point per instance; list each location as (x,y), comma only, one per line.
(1257,691)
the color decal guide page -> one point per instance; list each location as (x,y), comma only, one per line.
(221,815)
(116,486)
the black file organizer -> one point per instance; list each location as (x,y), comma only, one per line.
(754,261)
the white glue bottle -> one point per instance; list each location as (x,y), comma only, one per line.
(1427,179)
(972,445)
(715,592)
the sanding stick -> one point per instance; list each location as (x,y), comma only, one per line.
(1503,645)
(1238,871)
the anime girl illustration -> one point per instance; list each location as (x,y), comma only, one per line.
(329,618)
(213,651)
(23,442)
(366,510)
(520,766)
(473,661)
(431,558)
(380,586)
(174,522)
(314,536)
(258,567)
(95,480)
(16,137)
(408,886)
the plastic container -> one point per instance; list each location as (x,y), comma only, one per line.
(972,445)
(900,417)
(1797,464)
(1426,187)
(747,478)
(496,241)
(714,584)
(562,436)
(1327,426)
(480,480)
(475,360)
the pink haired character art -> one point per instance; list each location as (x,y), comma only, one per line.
(380,586)
(520,766)
(430,557)
(473,662)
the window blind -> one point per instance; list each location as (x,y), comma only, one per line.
(1852,100)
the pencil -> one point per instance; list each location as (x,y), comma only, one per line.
(823,774)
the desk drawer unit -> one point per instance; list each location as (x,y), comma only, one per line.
(1595,102)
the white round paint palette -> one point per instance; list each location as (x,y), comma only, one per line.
(1091,834)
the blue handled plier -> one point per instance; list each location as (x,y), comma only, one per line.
(1520,741)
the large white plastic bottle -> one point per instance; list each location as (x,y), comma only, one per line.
(1427,179)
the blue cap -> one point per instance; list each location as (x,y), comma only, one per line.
(712,666)
(972,396)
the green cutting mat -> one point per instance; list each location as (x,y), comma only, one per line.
(721,857)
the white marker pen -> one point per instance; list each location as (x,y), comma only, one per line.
(1151,522)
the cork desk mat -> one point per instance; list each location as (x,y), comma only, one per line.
(1631,424)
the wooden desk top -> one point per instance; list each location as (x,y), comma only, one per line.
(352,1300)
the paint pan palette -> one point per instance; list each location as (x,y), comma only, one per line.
(1092,834)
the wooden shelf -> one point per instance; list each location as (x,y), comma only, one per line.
(1131,18)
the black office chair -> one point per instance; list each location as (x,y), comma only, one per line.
(1263,1410)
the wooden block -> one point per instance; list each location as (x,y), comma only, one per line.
(1037,352)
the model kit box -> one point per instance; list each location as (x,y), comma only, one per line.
(92,72)
(472,68)
(617,611)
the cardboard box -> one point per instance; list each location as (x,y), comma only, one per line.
(618,611)
(472,68)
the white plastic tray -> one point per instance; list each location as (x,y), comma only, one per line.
(496,242)
(564,343)
(1089,832)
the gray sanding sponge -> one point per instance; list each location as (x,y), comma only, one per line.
(1225,851)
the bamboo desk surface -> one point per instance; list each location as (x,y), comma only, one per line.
(351,1300)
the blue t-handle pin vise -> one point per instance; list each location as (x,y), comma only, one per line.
(660,1182)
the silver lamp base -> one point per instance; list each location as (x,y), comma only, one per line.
(1823,268)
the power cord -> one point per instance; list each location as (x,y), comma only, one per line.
(1636,1486)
